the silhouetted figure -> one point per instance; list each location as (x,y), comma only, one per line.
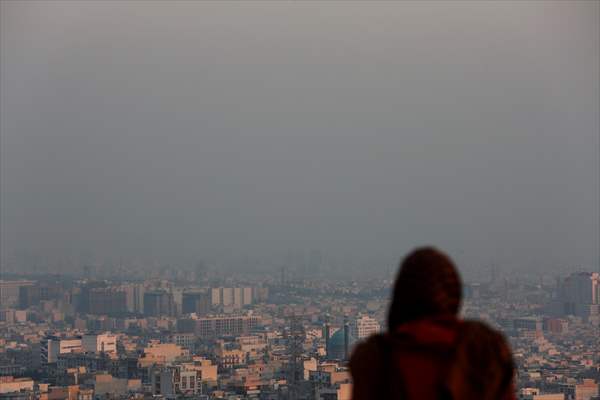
(428,353)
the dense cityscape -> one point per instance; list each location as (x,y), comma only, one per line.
(197,334)
(300,200)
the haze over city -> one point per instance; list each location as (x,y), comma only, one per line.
(167,133)
(309,200)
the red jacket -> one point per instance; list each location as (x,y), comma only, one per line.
(434,359)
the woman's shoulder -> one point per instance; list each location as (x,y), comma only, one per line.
(368,347)
(483,360)
(365,367)
(480,340)
(368,350)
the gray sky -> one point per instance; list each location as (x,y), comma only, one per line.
(176,131)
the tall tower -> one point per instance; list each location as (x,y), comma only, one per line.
(346,339)
(326,334)
(595,277)
(295,368)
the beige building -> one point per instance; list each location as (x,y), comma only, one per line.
(229,357)
(106,385)
(207,370)
(238,299)
(247,296)
(309,365)
(344,391)
(586,390)
(162,353)
(365,326)
(9,384)
(52,347)
(183,379)
(215,296)
(71,392)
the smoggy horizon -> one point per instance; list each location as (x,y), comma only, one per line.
(167,133)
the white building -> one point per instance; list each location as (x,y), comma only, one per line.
(227,296)
(134,298)
(237,297)
(365,326)
(215,296)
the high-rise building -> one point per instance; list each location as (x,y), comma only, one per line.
(195,302)
(238,300)
(29,296)
(82,295)
(32,295)
(158,302)
(247,296)
(219,325)
(227,296)
(340,344)
(134,294)
(237,296)
(581,288)
(579,295)
(215,296)
(107,301)
(10,292)
(365,326)
(595,278)
(295,368)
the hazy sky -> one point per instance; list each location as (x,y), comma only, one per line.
(175,131)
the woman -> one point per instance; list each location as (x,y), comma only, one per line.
(428,352)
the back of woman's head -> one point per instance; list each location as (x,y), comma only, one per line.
(428,285)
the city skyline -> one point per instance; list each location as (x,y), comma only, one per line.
(305,200)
